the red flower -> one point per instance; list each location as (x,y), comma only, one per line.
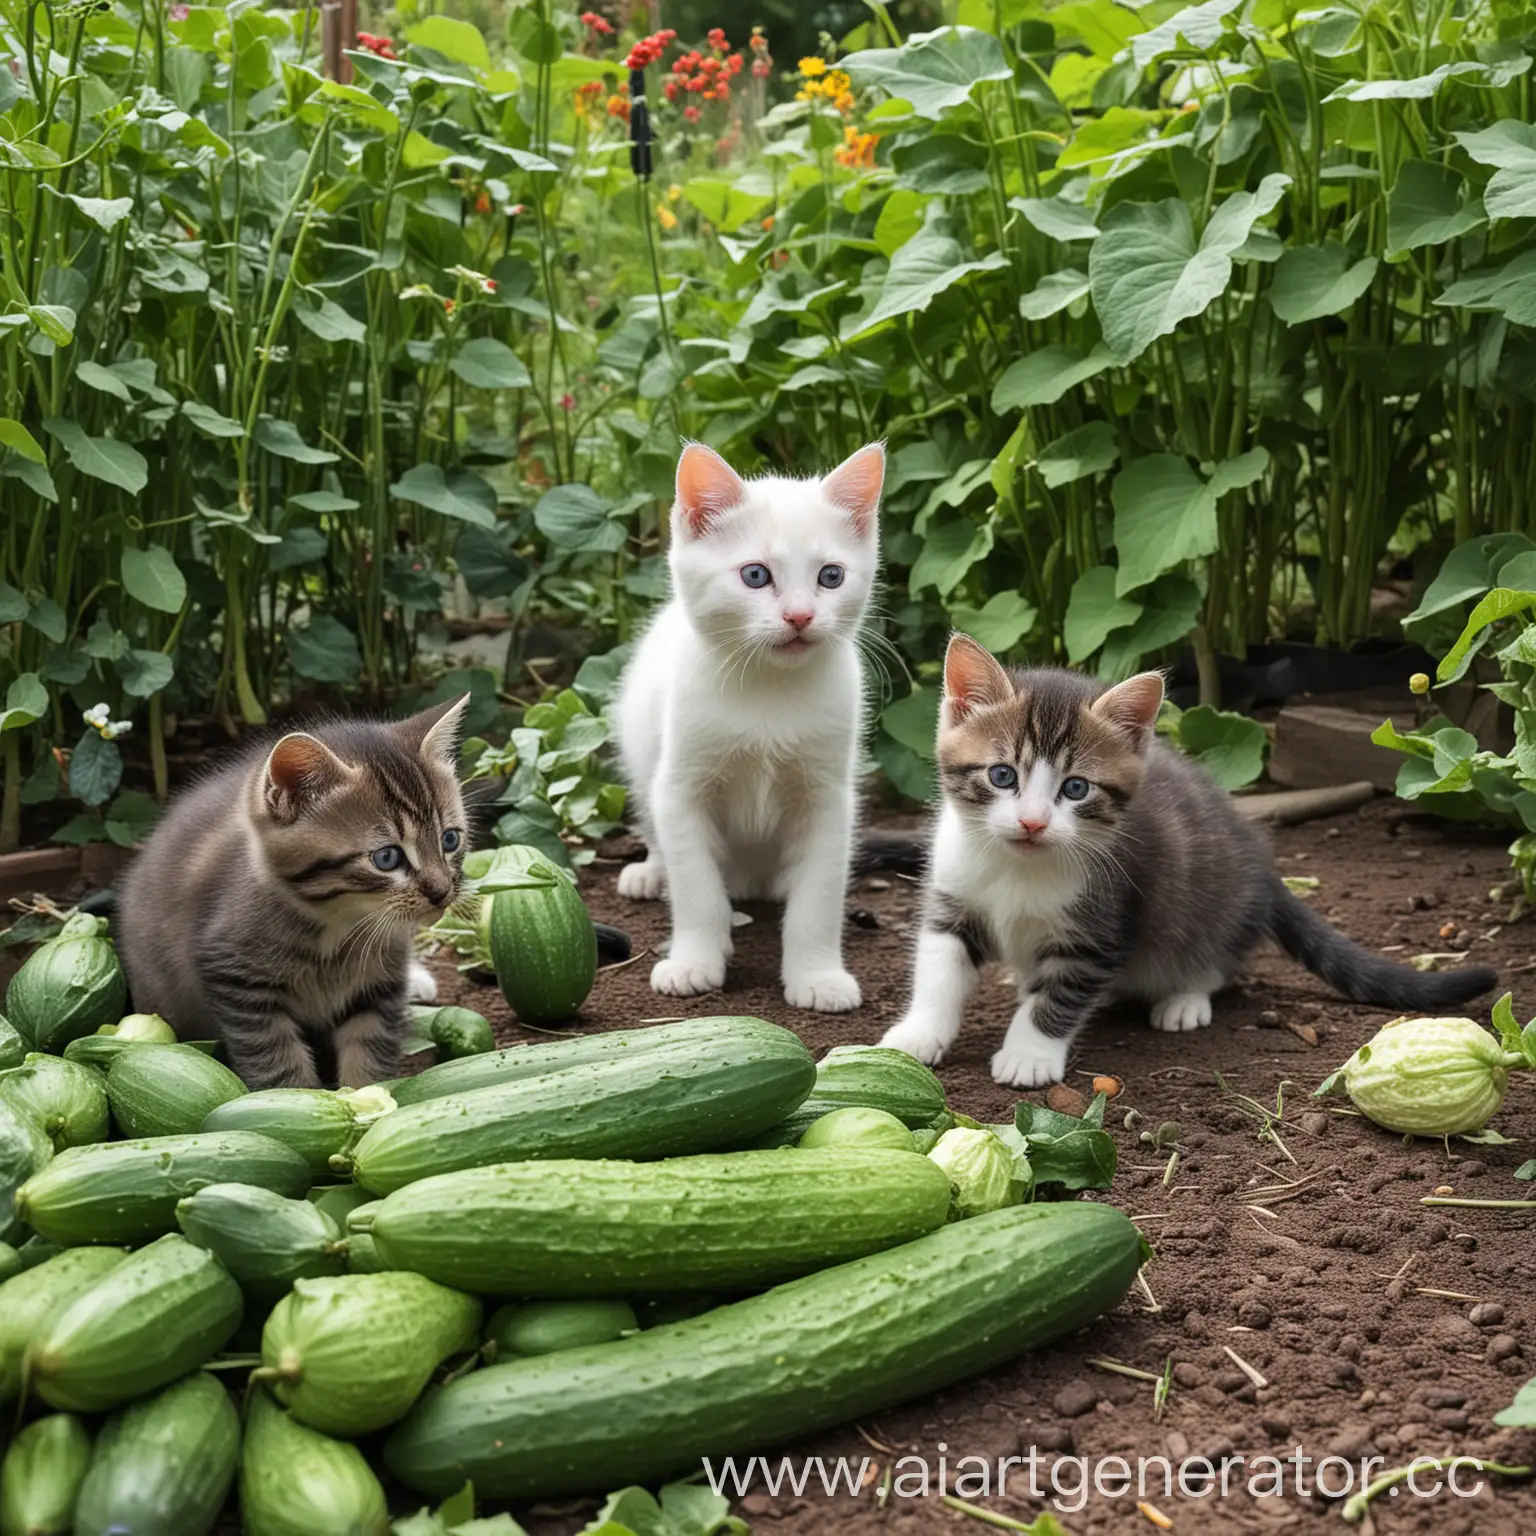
(691,113)
(483,203)
(733,64)
(382,47)
(670,88)
(567,402)
(597,24)
(448,306)
(759,42)
(716,37)
(761,68)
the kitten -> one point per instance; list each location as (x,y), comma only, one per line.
(739,717)
(1098,861)
(274,905)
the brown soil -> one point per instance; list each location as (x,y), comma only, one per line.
(1334,1291)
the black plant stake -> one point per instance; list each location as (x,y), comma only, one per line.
(639,127)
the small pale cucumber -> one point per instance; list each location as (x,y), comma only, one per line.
(516,1062)
(168,1090)
(140,1029)
(155,1316)
(456,1032)
(827,1349)
(853,1126)
(679,1098)
(41,1476)
(126,1191)
(351,1355)
(542,941)
(338,1201)
(866,1077)
(542,1327)
(27,1299)
(294,1481)
(24,1149)
(734,1222)
(362,1256)
(68,986)
(266,1241)
(13,1048)
(315,1122)
(163,1466)
(67,1100)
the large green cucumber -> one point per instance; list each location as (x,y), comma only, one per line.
(13,1048)
(516,1062)
(819,1351)
(866,1077)
(40,1477)
(155,1316)
(678,1098)
(168,1090)
(542,941)
(69,1101)
(317,1123)
(163,1466)
(67,987)
(735,1222)
(265,1240)
(126,1191)
(542,1327)
(24,1149)
(28,1298)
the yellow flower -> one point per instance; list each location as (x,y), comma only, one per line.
(665,217)
(812,67)
(674,192)
(845,101)
(836,82)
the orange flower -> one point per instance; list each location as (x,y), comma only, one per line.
(857,149)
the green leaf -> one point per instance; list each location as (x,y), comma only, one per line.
(901,216)
(948,552)
(933,71)
(16,437)
(95,768)
(459,494)
(1508,290)
(1420,88)
(1469,571)
(576,517)
(282,439)
(209,421)
(47,618)
(1501,603)
(106,213)
(323,501)
(1426,207)
(301,545)
(724,203)
(1046,374)
(1196,28)
(14,606)
(485,363)
(324,650)
(1086,450)
(131,817)
(1315,280)
(55,321)
(1057,217)
(1148,272)
(1169,610)
(326,318)
(1094,611)
(152,577)
(1077,1154)
(1230,747)
(1511,146)
(145,673)
(1054,292)
(26,702)
(1521,1414)
(456,40)
(490,568)
(914,720)
(929,264)
(97,377)
(1527,1171)
(102,458)
(1000,623)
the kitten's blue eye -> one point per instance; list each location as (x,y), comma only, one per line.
(830,576)
(452,838)
(756,575)
(1002,776)
(390,856)
(1075,788)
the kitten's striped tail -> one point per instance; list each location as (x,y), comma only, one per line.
(1361,976)
(895,852)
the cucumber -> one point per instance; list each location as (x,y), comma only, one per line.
(338,1201)
(315,1122)
(140,1029)
(519,1061)
(266,1241)
(456,1032)
(68,1101)
(167,1090)
(351,1355)
(13,1048)
(68,986)
(678,1098)
(163,1466)
(362,1256)
(294,1481)
(41,1475)
(542,1327)
(10,1262)
(824,1350)
(542,941)
(867,1077)
(24,1149)
(28,1298)
(126,1191)
(734,1222)
(852,1126)
(155,1316)
(36,1250)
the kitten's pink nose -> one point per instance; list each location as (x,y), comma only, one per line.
(799,617)
(1032,828)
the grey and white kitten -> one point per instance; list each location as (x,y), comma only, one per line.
(274,905)
(1097,862)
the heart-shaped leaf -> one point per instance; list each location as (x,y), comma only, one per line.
(1086,450)
(1045,375)
(459,494)
(929,264)
(102,458)
(26,701)
(1426,207)
(486,363)
(1094,611)
(1316,280)
(145,672)
(1511,146)
(576,517)
(325,650)
(95,768)
(152,577)
(932,71)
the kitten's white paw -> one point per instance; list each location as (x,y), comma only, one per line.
(687,978)
(1182,1011)
(916,1039)
(1033,1064)
(829,991)
(642,881)
(420,984)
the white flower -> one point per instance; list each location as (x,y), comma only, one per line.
(116,729)
(98,715)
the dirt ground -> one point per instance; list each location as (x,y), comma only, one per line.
(1380,1327)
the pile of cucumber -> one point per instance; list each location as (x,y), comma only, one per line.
(546,1270)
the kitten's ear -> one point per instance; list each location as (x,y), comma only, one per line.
(706,487)
(973,679)
(1132,706)
(300,769)
(435,732)
(855,485)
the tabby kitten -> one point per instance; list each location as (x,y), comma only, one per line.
(275,903)
(1097,861)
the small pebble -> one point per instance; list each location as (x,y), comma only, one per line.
(1187,1374)
(1270,1019)
(1486,1313)
(1075,1399)
(1333,832)
(1503,1346)
(1444,1189)
(757,1505)
(1054,1437)
(1472,1169)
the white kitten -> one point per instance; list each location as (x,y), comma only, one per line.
(739,717)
